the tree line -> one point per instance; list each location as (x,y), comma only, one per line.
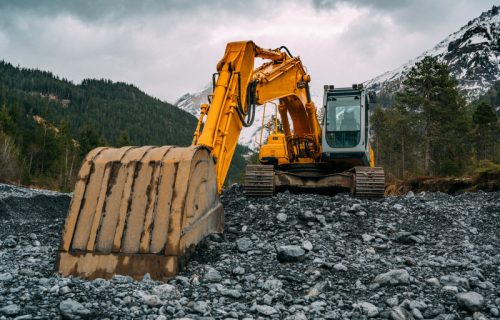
(429,129)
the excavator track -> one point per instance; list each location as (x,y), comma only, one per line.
(369,182)
(259,180)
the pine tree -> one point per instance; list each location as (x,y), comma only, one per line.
(432,94)
(486,132)
(123,139)
(89,138)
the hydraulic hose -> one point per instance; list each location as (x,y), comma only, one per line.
(247,118)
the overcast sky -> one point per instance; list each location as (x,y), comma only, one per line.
(168,48)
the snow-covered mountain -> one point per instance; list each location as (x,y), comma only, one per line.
(472,53)
(250,136)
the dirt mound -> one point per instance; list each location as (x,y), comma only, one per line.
(486,181)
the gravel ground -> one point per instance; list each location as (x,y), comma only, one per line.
(292,256)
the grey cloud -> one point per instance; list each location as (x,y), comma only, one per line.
(413,14)
(117,10)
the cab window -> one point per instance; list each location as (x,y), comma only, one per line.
(343,125)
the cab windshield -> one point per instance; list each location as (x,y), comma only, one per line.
(343,125)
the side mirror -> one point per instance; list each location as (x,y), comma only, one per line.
(372,97)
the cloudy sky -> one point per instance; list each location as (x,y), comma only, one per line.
(171,47)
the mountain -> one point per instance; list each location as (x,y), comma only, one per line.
(472,54)
(111,107)
(249,137)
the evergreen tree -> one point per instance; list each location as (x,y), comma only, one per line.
(123,139)
(432,93)
(486,131)
(89,138)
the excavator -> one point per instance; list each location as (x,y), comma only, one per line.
(143,210)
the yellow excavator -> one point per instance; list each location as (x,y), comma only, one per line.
(138,210)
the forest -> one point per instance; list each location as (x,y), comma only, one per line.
(429,129)
(48,124)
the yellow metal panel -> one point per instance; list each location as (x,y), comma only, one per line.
(78,195)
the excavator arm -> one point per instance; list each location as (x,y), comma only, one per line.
(138,210)
(238,91)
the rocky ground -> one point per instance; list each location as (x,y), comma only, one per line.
(424,256)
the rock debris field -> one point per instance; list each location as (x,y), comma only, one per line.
(292,256)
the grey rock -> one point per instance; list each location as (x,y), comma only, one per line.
(361,213)
(392,301)
(433,282)
(408,238)
(201,307)
(339,267)
(449,289)
(416,313)
(409,261)
(479,316)
(393,277)
(9,243)
(230,293)
(400,313)
(494,312)
(307,245)
(72,309)
(354,208)
(244,244)
(368,309)
(451,280)
(239,271)
(290,253)
(122,279)
(265,310)
(367,238)
(151,300)
(267,299)
(281,217)
(10,310)
(5,277)
(471,301)
(184,281)
(212,275)
(32,236)
(272,284)
(307,215)
(167,291)
(398,207)
(298,316)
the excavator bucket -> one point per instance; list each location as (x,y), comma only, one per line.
(138,210)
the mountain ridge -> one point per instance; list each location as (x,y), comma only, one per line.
(472,54)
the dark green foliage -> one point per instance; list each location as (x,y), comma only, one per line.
(89,138)
(486,132)
(48,124)
(123,139)
(236,171)
(428,129)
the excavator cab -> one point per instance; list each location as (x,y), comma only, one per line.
(346,131)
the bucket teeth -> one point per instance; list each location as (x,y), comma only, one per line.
(138,210)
